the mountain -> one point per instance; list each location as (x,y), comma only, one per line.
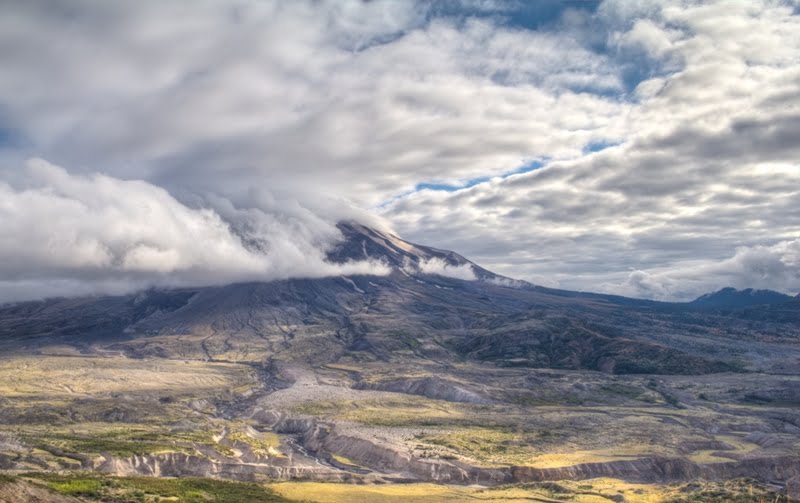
(363,243)
(733,298)
(424,309)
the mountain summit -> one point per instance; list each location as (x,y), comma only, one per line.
(732,298)
(366,243)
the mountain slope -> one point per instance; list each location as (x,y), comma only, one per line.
(361,242)
(733,298)
(413,376)
(410,314)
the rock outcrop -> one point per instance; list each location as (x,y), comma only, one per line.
(190,465)
(313,442)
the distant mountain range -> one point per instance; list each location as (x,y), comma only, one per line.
(435,304)
(731,297)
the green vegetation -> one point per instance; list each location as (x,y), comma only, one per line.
(487,446)
(400,411)
(504,446)
(89,487)
(152,490)
(736,445)
(344,461)
(264,444)
(122,442)
(99,445)
(600,490)
(407,493)
(733,491)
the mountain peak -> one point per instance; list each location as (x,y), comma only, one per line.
(731,297)
(367,243)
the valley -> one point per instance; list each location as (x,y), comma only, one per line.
(414,387)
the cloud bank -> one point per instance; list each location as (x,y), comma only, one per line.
(640,148)
(774,267)
(441,268)
(74,235)
(699,193)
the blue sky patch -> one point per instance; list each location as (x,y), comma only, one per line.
(446,187)
(597,146)
(528,15)
(11,138)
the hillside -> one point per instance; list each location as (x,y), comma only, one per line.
(440,371)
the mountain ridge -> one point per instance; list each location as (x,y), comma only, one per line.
(730,297)
(410,313)
(416,375)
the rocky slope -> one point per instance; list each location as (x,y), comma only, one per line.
(440,371)
(732,298)
(429,314)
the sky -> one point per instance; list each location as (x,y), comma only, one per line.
(641,148)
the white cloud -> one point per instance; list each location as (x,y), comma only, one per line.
(709,166)
(99,234)
(762,267)
(363,99)
(440,267)
(273,111)
(652,39)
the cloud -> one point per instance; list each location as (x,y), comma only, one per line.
(99,234)
(762,267)
(708,166)
(440,267)
(212,97)
(647,37)
(258,118)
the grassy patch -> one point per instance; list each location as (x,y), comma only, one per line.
(77,487)
(397,493)
(68,376)
(506,447)
(707,456)
(400,411)
(484,445)
(601,491)
(122,448)
(732,491)
(146,490)
(261,443)
(345,461)
(122,442)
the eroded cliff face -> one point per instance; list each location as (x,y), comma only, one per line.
(645,470)
(189,465)
(398,467)
(663,470)
(315,442)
